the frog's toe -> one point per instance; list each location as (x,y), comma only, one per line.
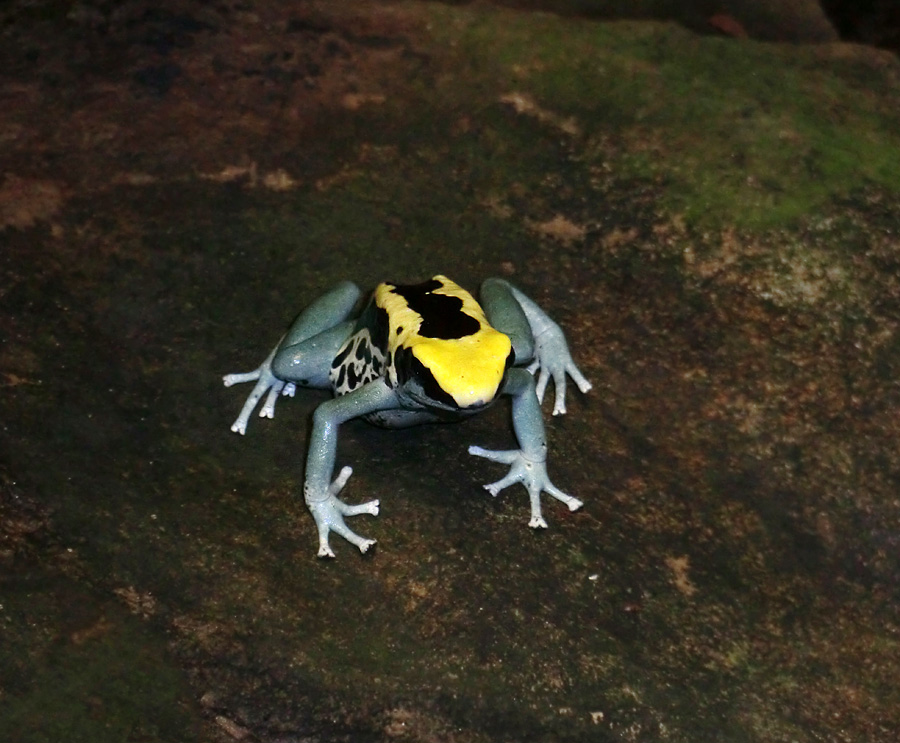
(559,402)
(325,550)
(580,381)
(231,379)
(506,457)
(351,536)
(370,508)
(495,487)
(542,381)
(268,408)
(573,503)
(537,522)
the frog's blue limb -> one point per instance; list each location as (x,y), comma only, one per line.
(321,494)
(327,311)
(303,355)
(308,362)
(528,464)
(506,315)
(550,352)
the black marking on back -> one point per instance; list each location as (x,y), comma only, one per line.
(361,359)
(442,315)
(341,357)
(363,352)
(352,378)
(375,320)
(380,328)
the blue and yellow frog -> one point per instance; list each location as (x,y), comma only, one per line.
(418,353)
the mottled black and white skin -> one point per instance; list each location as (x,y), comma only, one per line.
(417,353)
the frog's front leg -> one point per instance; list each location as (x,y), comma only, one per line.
(535,337)
(528,464)
(318,490)
(303,355)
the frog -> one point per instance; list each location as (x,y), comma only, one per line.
(414,354)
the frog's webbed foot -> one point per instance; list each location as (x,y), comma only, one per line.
(266,382)
(552,357)
(329,515)
(532,474)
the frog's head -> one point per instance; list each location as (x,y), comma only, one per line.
(458,375)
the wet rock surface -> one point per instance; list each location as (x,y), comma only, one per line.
(714,222)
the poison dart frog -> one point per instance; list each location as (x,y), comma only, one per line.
(417,353)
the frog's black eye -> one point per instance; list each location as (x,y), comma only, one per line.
(399,329)
(410,368)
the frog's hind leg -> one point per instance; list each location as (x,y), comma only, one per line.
(535,337)
(302,356)
(331,308)
(506,315)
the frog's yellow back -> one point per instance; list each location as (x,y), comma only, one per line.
(445,330)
